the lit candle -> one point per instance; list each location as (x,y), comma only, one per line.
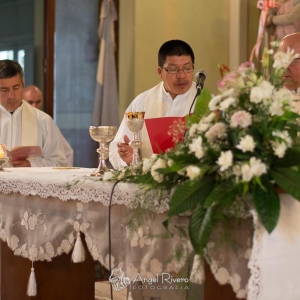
(1,153)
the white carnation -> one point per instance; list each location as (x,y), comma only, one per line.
(257,167)
(228,93)
(202,127)
(246,144)
(261,92)
(254,168)
(225,160)
(241,119)
(246,173)
(193,129)
(283,96)
(225,104)
(279,148)
(275,108)
(218,130)
(283,135)
(196,147)
(209,118)
(213,103)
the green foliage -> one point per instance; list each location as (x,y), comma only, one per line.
(266,202)
(189,194)
(238,148)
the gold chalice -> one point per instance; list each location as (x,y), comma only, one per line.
(103,135)
(135,122)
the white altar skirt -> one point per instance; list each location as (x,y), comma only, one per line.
(275,262)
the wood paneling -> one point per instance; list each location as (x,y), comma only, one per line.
(60,279)
(49,31)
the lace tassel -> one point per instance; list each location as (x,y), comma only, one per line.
(31,288)
(78,254)
(197,273)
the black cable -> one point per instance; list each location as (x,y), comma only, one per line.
(109,234)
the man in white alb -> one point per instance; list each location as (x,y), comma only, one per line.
(23,125)
(34,96)
(172,97)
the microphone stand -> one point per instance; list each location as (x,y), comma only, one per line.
(199,88)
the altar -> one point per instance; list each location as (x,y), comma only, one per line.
(46,212)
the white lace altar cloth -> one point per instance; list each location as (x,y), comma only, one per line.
(43,209)
(275,261)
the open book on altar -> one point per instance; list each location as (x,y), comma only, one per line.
(165,132)
(24,152)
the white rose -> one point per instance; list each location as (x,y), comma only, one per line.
(147,164)
(159,164)
(193,172)
(107,176)
(170,162)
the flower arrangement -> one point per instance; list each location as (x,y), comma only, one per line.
(240,143)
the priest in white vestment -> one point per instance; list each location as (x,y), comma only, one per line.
(34,96)
(23,125)
(172,97)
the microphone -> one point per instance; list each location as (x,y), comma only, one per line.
(200,78)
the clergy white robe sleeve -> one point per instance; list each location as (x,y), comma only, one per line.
(49,138)
(169,107)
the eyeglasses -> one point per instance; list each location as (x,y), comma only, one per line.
(176,71)
(294,62)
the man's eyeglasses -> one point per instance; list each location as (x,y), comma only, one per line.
(176,71)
